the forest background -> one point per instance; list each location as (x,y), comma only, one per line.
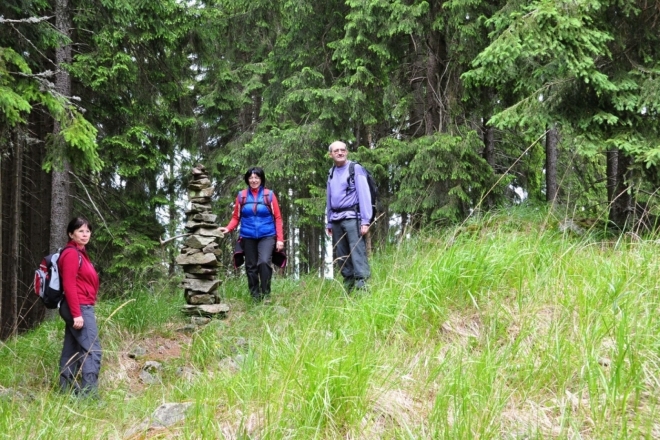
(457,107)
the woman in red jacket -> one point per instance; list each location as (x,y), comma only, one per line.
(258,213)
(80,362)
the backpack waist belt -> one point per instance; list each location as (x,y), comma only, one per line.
(355,207)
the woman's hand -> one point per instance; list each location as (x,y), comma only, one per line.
(279,245)
(78,322)
(223,230)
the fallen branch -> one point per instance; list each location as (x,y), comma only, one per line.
(31,20)
(162,242)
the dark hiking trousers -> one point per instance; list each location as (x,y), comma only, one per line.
(258,256)
(80,362)
(350,252)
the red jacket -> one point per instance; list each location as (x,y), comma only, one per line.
(79,279)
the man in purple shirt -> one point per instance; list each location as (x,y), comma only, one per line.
(348,211)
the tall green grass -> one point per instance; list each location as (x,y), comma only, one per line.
(503,328)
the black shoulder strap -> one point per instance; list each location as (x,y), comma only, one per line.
(351,176)
(351,172)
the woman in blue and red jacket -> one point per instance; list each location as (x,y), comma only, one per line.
(261,230)
(80,361)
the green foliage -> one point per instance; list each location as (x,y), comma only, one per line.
(366,50)
(567,63)
(12,103)
(79,135)
(414,87)
(17,99)
(124,252)
(26,85)
(441,178)
(134,76)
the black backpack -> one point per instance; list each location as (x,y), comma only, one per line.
(47,279)
(373,188)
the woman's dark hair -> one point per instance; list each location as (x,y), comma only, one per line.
(77,223)
(255,170)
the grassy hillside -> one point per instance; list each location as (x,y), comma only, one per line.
(504,328)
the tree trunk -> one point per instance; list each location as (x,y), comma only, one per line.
(612,171)
(314,250)
(10,309)
(8,190)
(551,142)
(404,225)
(173,214)
(61,206)
(303,266)
(618,194)
(61,186)
(25,216)
(35,217)
(433,111)
(60,209)
(489,145)
(2,230)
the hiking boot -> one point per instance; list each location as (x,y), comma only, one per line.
(361,284)
(69,385)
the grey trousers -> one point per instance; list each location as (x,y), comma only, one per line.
(80,361)
(350,251)
(258,256)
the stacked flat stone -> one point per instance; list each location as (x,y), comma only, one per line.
(200,251)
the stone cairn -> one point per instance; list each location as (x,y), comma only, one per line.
(200,251)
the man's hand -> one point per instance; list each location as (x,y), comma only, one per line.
(364,229)
(329,231)
(279,245)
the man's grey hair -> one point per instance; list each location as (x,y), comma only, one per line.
(336,144)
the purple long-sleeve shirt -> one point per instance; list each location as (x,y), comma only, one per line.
(340,195)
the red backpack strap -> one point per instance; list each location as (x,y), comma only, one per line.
(267,200)
(242,197)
